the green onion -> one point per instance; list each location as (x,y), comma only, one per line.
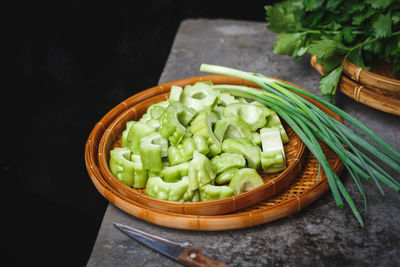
(311,123)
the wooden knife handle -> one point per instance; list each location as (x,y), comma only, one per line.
(193,257)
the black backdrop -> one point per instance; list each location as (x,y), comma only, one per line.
(68,63)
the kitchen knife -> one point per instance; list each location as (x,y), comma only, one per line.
(186,255)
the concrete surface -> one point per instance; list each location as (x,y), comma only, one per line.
(321,234)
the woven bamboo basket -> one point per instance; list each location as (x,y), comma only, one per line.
(379,89)
(298,194)
(294,151)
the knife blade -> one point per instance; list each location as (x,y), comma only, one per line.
(176,251)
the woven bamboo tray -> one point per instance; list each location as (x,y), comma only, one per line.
(300,193)
(273,184)
(369,88)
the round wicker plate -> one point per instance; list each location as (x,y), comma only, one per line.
(368,88)
(273,184)
(300,193)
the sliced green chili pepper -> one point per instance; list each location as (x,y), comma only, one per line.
(141,174)
(174,120)
(231,127)
(126,170)
(157,109)
(274,121)
(174,173)
(272,155)
(181,152)
(226,176)
(192,196)
(178,191)
(225,161)
(202,125)
(147,119)
(152,148)
(200,96)
(201,171)
(201,144)
(219,110)
(244,180)
(137,131)
(226,99)
(254,115)
(176,93)
(246,147)
(124,138)
(255,137)
(214,192)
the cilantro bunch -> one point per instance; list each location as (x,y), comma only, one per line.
(360,31)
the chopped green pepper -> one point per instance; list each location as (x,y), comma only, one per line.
(246,147)
(231,127)
(147,119)
(200,96)
(225,161)
(213,192)
(126,170)
(274,121)
(226,176)
(176,93)
(141,174)
(174,120)
(244,180)
(219,110)
(201,171)
(157,109)
(255,137)
(156,112)
(152,148)
(201,144)
(181,152)
(226,99)
(192,196)
(178,191)
(174,173)
(254,115)
(272,155)
(137,131)
(124,138)
(202,126)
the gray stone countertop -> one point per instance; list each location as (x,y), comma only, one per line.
(319,235)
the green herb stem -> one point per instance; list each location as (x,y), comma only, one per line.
(310,123)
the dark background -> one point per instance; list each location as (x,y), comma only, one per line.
(68,63)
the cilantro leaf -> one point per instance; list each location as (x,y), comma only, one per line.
(313,4)
(355,57)
(361,31)
(347,34)
(379,4)
(382,26)
(330,63)
(359,18)
(326,48)
(285,16)
(352,7)
(392,48)
(328,83)
(288,43)
(332,4)
(396,17)
(375,47)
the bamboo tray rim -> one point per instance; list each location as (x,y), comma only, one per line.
(371,79)
(362,93)
(271,186)
(190,222)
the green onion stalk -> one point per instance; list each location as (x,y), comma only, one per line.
(312,124)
